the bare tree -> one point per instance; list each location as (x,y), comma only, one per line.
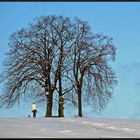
(91,54)
(62,28)
(32,54)
(36,59)
(56,55)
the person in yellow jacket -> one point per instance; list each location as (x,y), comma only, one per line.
(34,110)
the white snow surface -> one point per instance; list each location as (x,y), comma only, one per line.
(68,128)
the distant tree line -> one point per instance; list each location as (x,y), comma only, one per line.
(59,55)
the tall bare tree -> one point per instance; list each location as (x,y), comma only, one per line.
(62,27)
(33,52)
(56,55)
(91,54)
(36,59)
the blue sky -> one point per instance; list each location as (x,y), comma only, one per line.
(120,20)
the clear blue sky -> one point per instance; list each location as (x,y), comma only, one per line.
(120,20)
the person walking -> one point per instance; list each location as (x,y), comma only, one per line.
(34,110)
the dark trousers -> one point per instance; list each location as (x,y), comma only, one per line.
(34,113)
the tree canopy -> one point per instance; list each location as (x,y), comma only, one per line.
(58,55)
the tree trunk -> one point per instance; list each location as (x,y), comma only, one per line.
(49,108)
(49,105)
(79,103)
(61,100)
(61,107)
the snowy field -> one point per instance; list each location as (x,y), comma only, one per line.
(68,128)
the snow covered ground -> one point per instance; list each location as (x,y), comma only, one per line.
(68,128)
